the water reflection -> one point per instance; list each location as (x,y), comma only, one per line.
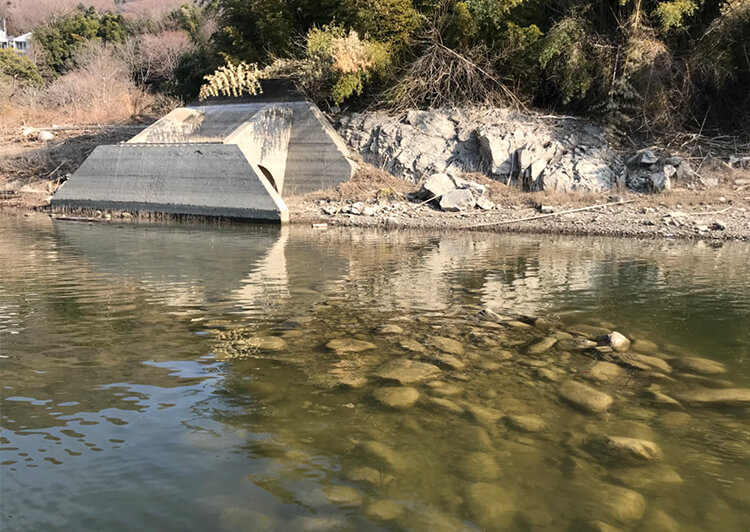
(119,393)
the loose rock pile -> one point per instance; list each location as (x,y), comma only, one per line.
(647,172)
(453,194)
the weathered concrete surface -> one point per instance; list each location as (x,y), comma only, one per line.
(287,145)
(199,179)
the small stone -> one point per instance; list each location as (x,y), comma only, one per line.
(407,371)
(330,211)
(382,454)
(444,389)
(447,345)
(518,324)
(575,344)
(660,521)
(390,329)
(436,185)
(399,398)
(412,345)
(589,331)
(618,341)
(349,345)
(458,200)
(613,503)
(343,495)
(547,375)
(718,225)
(702,366)
(384,510)
(484,415)
(440,403)
(448,361)
(643,362)
(715,397)
(526,423)
(675,420)
(45,136)
(485,204)
(584,397)
(490,506)
(626,449)
(542,346)
(664,400)
(371,476)
(605,372)
(546,209)
(647,477)
(369,211)
(265,343)
(477,466)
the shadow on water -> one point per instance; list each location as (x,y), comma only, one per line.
(184,371)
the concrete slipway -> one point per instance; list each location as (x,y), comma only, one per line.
(233,158)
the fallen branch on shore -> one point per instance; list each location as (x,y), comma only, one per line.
(540,216)
(709,213)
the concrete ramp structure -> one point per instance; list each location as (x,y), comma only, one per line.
(231,158)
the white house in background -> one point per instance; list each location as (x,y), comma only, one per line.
(22,43)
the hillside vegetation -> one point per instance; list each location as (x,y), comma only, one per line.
(643,67)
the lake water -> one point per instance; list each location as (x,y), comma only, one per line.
(183,378)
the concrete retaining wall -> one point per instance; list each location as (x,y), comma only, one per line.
(199,179)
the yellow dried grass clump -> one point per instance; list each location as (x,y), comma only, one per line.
(232,80)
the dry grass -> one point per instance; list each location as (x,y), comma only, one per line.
(368,182)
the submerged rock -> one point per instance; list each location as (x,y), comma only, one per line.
(702,366)
(448,361)
(715,397)
(589,331)
(484,415)
(644,477)
(349,345)
(490,506)
(371,476)
(542,346)
(526,423)
(643,362)
(397,397)
(265,343)
(343,495)
(412,345)
(584,397)
(660,521)
(390,329)
(605,372)
(575,344)
(447,345)
(620,448)
(382,454)
(440,403)
(407,371)
(614,504)
(384,510)
(478,466)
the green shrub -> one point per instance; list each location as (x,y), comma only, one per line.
(19,67)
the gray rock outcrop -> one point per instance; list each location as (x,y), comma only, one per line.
(521,149)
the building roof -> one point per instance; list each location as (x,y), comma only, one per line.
(24,37)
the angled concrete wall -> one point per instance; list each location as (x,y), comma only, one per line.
(283,144)
(199,179)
